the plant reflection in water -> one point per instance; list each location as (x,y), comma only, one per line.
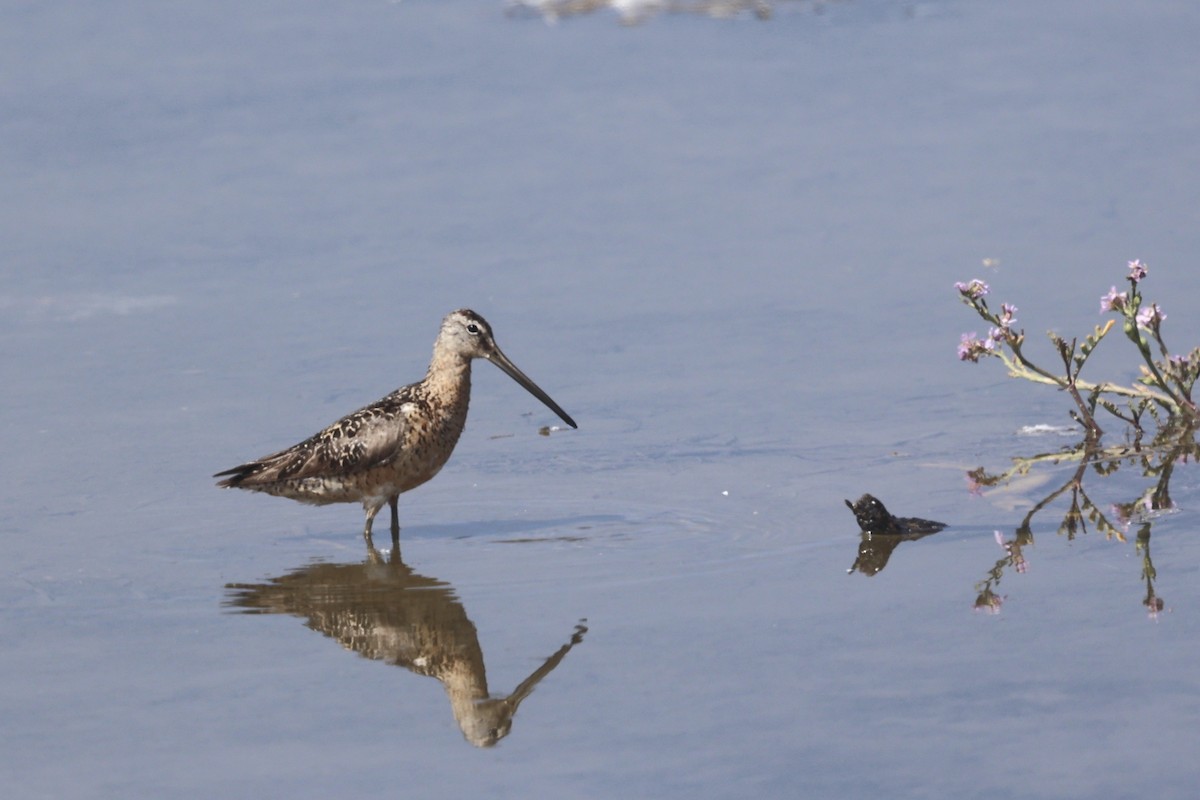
(383,610)
(1172,445)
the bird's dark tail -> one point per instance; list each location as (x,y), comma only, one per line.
(238,474)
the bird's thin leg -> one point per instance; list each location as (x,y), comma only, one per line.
(394,501)
(371,511)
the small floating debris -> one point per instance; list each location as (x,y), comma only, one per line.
(882,533)
(873,517)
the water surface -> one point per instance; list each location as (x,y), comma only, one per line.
(727,248)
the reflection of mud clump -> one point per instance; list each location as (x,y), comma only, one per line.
(882,533)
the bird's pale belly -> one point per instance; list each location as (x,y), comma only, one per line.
(377,483)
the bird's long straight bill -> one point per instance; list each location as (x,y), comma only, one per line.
(500,360)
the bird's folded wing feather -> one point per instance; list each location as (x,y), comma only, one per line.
(359,441)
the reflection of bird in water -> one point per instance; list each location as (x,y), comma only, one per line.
(395,444)
(384,611)
(882,533)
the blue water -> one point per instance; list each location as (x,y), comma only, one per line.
(727,248)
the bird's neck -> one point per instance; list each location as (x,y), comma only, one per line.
(449,377)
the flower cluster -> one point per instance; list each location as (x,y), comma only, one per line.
(971,347)
(1113,301)
(1150,317)
(1166,381)
(972,290)
(1137,270)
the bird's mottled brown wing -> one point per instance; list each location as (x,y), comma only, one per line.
(358,441)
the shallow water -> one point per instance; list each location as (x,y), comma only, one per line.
(727,248)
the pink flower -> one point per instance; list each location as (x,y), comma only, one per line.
(1150,317)
(972,290)
(1113,301)
(971,348)
(1007,320)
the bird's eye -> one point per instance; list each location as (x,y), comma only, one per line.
(472,329)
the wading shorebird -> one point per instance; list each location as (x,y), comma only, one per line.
(395,444)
